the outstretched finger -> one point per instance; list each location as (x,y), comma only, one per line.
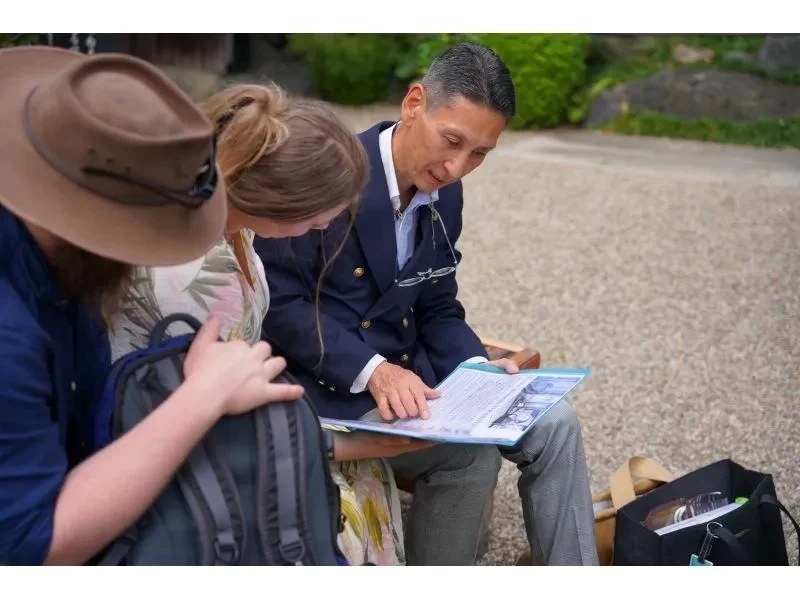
(431,393)
(510,366)
(421,402)
(283,392)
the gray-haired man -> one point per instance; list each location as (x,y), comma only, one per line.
(393,326)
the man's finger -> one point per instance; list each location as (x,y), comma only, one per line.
(511,367)
(431,393)
(421,402)
(397,405)
(384,410)
(409,402)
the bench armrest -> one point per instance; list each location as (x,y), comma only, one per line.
(525,358)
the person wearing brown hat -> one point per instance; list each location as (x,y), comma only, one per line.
(105,165)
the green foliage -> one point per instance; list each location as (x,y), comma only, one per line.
(724,43)
(348,68)
(762,133)
(416,61)
(645,56)
(8,40)
(785,76)
(547,69)
(654,54)
(583,98)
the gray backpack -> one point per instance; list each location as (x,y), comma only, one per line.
(256,491)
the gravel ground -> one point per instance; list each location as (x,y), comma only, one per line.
(671,269)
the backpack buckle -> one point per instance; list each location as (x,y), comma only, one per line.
(293,552)
(227,552)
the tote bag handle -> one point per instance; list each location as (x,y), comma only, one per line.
(733,543)
(622,490)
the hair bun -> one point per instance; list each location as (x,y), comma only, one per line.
(270,98)
(251,118)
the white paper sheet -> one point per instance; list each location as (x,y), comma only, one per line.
(483,404)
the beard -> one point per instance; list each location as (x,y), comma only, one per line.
(96,282)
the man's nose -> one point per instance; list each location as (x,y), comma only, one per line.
(457,166)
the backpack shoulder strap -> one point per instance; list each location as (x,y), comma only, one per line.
(279,472)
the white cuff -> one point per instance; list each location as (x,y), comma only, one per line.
(477,359)
(361,381)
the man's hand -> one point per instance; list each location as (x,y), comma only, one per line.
(354,446)
(506,364)
(399,391)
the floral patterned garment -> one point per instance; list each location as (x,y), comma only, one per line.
(217,284)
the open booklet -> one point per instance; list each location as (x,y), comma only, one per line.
(481,404)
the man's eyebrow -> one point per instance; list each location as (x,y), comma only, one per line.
(449,131)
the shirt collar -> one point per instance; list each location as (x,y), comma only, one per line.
(385,144)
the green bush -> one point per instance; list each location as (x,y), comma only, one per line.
(416,61)
(8,40)
(547,69)
(346,68)
(776,133)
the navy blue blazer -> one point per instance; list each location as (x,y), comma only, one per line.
(362,311)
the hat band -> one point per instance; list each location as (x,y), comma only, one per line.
(201,190)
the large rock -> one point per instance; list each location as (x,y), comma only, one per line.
(691,94)
(781,52)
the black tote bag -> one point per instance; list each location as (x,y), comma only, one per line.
(751,534)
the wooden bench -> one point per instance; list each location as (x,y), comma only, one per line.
(526,359)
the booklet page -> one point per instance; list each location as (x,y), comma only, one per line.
(480,403)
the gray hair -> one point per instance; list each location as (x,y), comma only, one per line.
(475,73)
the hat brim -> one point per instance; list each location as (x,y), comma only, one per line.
(34,191)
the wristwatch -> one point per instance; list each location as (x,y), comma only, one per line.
(329,436)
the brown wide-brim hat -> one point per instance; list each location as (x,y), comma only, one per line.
(108,154)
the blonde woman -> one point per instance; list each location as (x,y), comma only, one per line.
(290,166)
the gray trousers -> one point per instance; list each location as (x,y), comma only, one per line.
(454,482)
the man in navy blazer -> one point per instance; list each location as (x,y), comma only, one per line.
(368,317)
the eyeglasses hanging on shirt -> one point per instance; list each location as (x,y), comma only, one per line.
(430,272)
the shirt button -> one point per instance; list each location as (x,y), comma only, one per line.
(72,385)
(366,324)
(405,322)
(358,272)
(404,357)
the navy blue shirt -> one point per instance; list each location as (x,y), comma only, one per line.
(54,358)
